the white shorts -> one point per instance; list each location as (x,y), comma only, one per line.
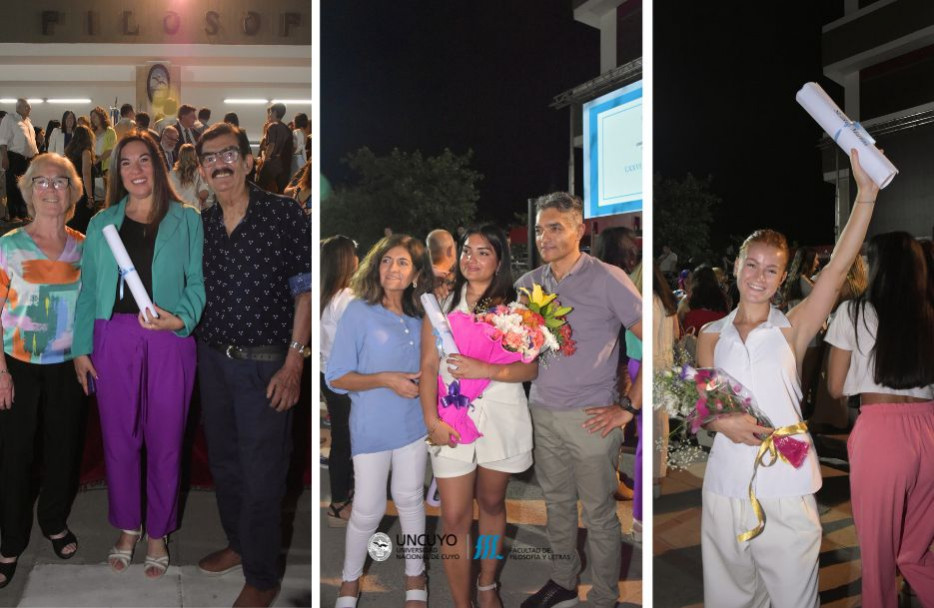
(443,467)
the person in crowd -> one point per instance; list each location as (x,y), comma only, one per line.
(60,137)
(618,246)
(40,276)
(40,139)
(105,140)
(479,470)
(142,123)
(300,188)
(187,133)
(169,117)
(338,263)
(762,349)
(800,277)
(80,151)
(84,121)
(375,358)
(275,151)
(301,132)
(231,118)
(142,365)
(187,180)
(52,126)
(17,148)
(707,301)
(665,332)
(883,351)
(204,120)
(127,121)
(168,146)
(252,344)
(577,415)
(442,250)
(668,262)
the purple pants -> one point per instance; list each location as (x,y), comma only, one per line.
(144,385)
(637,475)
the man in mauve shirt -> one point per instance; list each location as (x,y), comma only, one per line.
(577,415)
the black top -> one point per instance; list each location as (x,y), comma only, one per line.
(246,274)
(140,241)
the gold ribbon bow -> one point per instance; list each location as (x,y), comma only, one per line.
(767,447)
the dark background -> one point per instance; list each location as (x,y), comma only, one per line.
(462,75)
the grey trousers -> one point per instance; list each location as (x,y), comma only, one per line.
(572,464)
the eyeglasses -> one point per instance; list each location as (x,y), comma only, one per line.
(228,155)
(44,183)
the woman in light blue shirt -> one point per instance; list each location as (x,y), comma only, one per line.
(375,359)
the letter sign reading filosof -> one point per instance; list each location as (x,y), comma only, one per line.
(171,22)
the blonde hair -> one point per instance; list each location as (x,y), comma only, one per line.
(75,185)
(766,236)
(187,164)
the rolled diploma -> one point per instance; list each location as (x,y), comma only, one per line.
(130,276)
(440,323)
(846,133)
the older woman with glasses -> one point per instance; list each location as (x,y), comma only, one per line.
(40,276)
(146,363)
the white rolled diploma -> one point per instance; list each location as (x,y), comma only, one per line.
(128,272)
(846,133)
(440,323)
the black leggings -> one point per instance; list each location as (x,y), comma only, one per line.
(340,466)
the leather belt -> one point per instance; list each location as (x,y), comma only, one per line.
(251,353)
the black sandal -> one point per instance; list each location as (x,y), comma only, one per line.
(7,569)
(334,514)
(59,544)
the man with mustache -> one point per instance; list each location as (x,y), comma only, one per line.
(252,342)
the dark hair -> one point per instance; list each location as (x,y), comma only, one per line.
(337,266)
(900,294)
(500,289)
(103,118)
(125,109)
(609,247)
(53,124)
(562,201)
(278,110)
(82,139)
(661,289)
(142,120)
(802,264)
(185,110)
(301,121)
(204,114)
(74,121)
(219,130)
(163,194)
(232,119)
(706,292)
(365,282)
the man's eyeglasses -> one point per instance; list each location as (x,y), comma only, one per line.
(44,183)
(227,155)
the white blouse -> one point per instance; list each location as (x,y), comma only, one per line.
(765,364)
(329,319)
(859,378)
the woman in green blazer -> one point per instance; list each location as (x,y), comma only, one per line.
(141,366)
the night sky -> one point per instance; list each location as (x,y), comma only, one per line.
(725,79)
(462,75)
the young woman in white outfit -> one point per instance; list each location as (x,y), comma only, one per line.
(763,349)
(478,470)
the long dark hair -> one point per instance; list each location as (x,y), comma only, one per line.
(661,288)
(800,266)
(706,292)
(365,282)
(609,247)
(162,191)
(74,121)
(81,139)
(338,257)
(501,289)
(900,294)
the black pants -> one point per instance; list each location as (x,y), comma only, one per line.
(249,448)
(340,465)
(47,398)
(14,199)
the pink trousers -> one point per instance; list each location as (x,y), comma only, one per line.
(891,453)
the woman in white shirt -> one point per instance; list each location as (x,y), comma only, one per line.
(480,469)
(883,351)
(338,263)
(763,350)
(59,137)
(187,180)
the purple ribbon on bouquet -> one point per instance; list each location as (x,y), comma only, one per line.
(454,396)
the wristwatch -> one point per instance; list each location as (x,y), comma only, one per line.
(626,404)
(305,351)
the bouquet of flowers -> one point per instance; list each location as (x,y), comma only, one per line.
(501,335)
(700,396)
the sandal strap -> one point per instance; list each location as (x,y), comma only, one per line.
(416,595)
(487,587)
(346,601)
(58,544)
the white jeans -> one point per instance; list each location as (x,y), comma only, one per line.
(778,567)
(369,504)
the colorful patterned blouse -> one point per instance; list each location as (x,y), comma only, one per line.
(39,297)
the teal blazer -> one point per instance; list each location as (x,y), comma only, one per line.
(177,277)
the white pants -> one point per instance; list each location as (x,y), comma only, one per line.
(371,472)
(778,567)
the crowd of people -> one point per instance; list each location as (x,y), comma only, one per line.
(814,343)
(381,369)
(229,277)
